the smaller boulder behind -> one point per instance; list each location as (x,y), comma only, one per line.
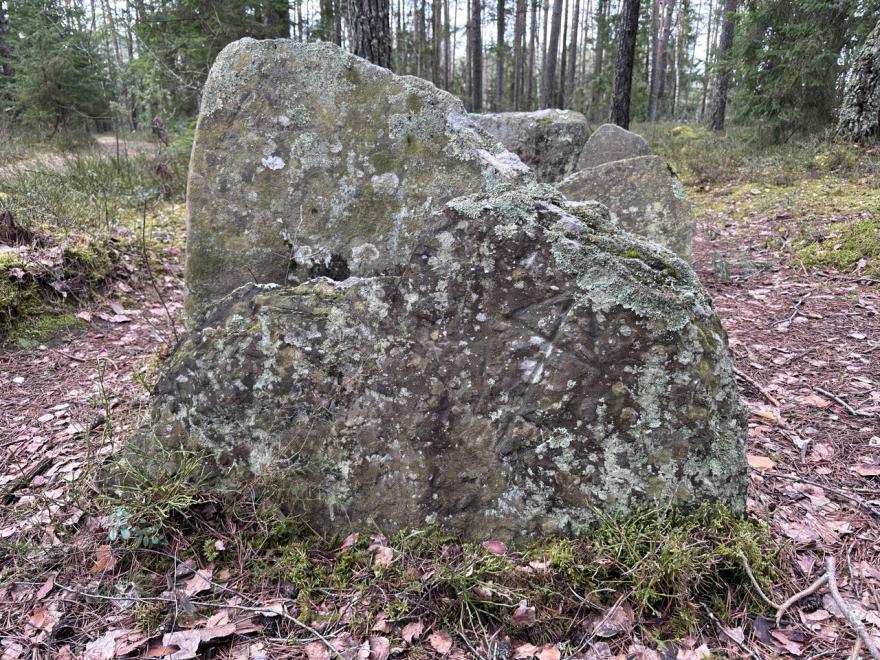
(548,141)
(611,142)
(643,195)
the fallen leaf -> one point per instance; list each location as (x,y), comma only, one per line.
(495,547)
(815,401)
(867,470)
(524,616)
(440,641)
(199,582)
(316,651)
(46,588)
(620,620)
(103,648)
(380,648)
(350,541)
(639,652)
(524,651)
(104,560)
(187,641)
(790,645)
(549,652)
(760,462)
(412,631)
(382,555)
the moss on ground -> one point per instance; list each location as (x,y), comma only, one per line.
(845,246)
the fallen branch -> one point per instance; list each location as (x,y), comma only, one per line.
(854,621)
(764,597)
(809,591)
(837,399)
(757,386)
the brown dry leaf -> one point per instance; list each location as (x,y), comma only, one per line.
(440,641)
(693,654)
(495,547)
(549,652)
(788,644)
(46,588)
(614,623)
(382,555)
(760,462)
(350,541)
(103,648)
(380,648)
(43,619)
(524,651)
(815,617)
(187,641)
(767,413)
(316,651)
(412,631)
(524,616)
(815,401)
(799,532)
(199,582)
(381,624)
(867,470)
(639,652)
(104,560)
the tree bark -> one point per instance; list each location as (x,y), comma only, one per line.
(658,73)
(447,54)
(519,29)
(560,93)
(436,42)
(572,52)
(371,31)
(706,61)
(859,118)
(533,41)
(598,55)
(548,84)
(475,46)
(499,59)
(623,66)
(722,78)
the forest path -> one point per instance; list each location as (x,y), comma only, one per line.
(806,345)
(103,144)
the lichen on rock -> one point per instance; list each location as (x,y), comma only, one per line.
(528,364)
(310,161)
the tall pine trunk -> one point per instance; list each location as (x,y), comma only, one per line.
(706,61)
(859,118)
(658,75)
(722,79)
(533,46)
(371,31)
(572,53)
(437,42)
(623,65)
(475,48)
(599,55)
(548,82)
(499,59)
(519,29)
(560,100)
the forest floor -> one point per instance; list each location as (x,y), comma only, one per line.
(806,343)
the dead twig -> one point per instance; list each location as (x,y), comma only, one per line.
(837,399)
(764,597)
(813,588)
(864,504)
(726,633)
(854,621)
(794,311)
(757,386)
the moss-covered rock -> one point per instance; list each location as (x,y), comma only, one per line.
(528,364)
(548,141)
(609,143)
(310,161)
(644,195)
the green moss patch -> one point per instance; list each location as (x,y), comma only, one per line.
(845,246)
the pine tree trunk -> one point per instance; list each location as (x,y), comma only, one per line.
(658,75)
(519,28)
(436,42)
(371,31)
(859,118)
(548,83)
(623,65)
(572,52)
(560,100)
(722,79)
(499,59)
(706,62)
(475,46)
(533,46)
(653,52)
(447,54)
(598,55)
(5,49)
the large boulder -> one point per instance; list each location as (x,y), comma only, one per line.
(548,141)
(611,142)
(644,195)
(310,161)
(527,365)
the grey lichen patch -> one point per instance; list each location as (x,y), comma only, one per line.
(304,152)
(643,195)
(529,364)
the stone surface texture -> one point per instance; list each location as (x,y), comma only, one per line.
(308,160)
(643,195)
(528,362)
(548,141)
(611,142)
